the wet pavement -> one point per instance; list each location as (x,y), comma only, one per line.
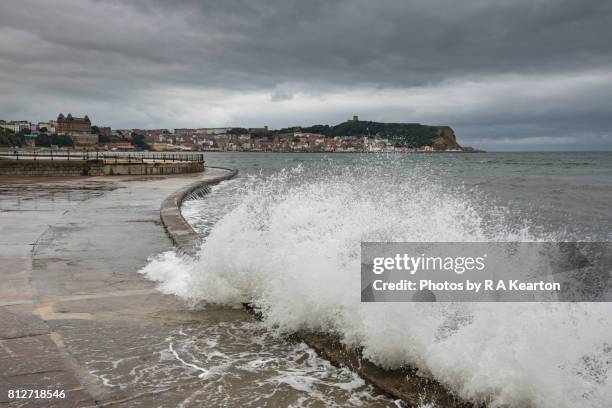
(76,316)
(69,252)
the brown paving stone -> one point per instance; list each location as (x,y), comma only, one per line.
(14,325)
(35,363)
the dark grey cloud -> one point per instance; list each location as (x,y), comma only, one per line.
(541,66)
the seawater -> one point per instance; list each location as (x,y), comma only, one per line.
(285,235)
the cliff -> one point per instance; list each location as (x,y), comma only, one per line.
(445,139)
(400,134)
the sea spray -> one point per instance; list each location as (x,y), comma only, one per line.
(291,246)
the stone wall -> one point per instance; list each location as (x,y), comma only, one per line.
(151,169)
(51,168)
(75,168)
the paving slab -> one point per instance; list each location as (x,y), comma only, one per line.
(70,292)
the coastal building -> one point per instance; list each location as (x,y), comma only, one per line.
(162,147)
(79,129)
(123,133)
(184,131)
(157,136)
(50,126)
(104,131)
(16,125)
(70,124)
(82,138)
(213,131)
(120,146)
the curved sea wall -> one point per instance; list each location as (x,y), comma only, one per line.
(182,234)
(406,384)
(75,168)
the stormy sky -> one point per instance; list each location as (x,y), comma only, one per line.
(506,75)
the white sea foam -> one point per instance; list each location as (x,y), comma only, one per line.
(292,247)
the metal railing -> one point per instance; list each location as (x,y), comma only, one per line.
(108,157)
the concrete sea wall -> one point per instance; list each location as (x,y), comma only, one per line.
(406,384)
(74,168)
(182,234)
(51,168)
(151,169)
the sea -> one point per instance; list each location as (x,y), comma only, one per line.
(285,234)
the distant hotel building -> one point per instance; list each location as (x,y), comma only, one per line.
(78,128)
(69,124)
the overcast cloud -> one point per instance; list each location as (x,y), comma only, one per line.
(506,75)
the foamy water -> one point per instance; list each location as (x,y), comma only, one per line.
(290,244)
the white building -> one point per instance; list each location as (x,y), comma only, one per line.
(49,125)
(213,131)
(16,125)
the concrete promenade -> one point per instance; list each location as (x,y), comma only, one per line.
(73,310)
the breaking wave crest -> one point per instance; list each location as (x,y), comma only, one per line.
(291,245)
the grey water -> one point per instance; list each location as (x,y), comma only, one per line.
(569,193)
(549,196)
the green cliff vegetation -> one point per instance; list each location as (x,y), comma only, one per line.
(48,140)
(400,134)
(138,140)
(8,138)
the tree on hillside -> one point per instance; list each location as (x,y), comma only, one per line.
(48,140)
(139,141)
(8,138)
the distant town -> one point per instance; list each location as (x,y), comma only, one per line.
(353,136)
